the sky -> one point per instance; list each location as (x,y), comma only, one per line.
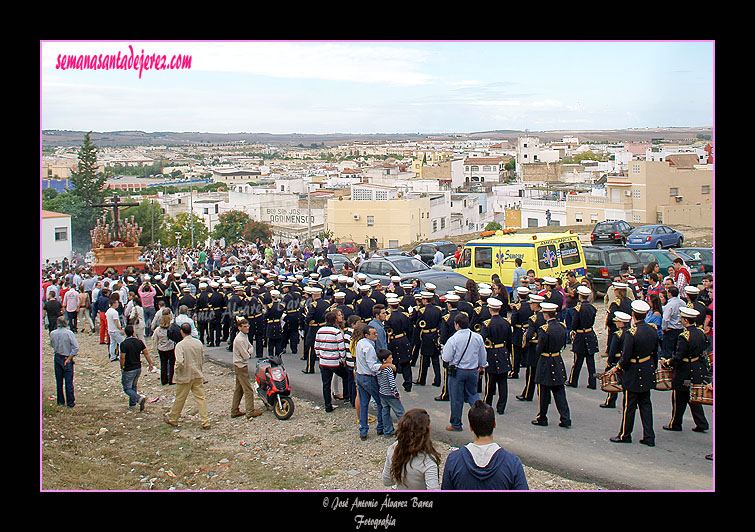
(321,87)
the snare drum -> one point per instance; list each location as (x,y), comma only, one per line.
(663,378)
(698,394)
(610,383)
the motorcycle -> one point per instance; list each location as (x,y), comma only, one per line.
(271,384)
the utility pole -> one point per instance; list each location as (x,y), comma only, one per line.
(191,212)
(309,212)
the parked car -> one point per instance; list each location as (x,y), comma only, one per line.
(665,259)
(448,265)
(611,232)
(602,264)
(426,250)
(391,253)
(654,237)
(704,255)
(338,261)
(383,268)
(347,247)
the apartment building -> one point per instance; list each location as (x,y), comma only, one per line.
(651,192)
(484,169)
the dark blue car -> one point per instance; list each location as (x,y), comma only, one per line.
(654,237)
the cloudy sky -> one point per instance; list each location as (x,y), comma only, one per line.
(381,87)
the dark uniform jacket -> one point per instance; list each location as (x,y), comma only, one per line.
(428,320)
(314,318)
(274,328)
(687,361)
(203,306)
(585,341)
(551,339)
(398,328)
(639,358)
(363,307)
(293,302)
(531,339)
(497,334)
(447,327)
(615,345)
(555,296)
(481,313)
(622,305)
(190,301)
(256,315)
(379,297)
(217,306)
(520,315)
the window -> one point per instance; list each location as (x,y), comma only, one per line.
(673,191)
(465,258)
(393,243)
(705,189)
(216,208)
(486,168)
(636,168)
(435,225)
(370,221)
(578,217)
(636,194)
(546,257)
(636,218)
(483,257)
(593,217)
(592,257)
(475,168)
(205,211)
(61,234)
(442,224)
(569,253)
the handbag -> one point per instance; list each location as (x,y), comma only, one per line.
(452,367)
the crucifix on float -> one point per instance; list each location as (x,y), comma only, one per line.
(115,205)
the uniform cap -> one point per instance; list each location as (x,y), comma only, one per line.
(260,281)
(692,289)
(269,284)
(239,288)
(363,287)
(640,307)
(535,298)
(430,286)
(426,295)
(494,303)
(687,312)
(395,278)
(549,280)
(374,282)
(617,284)
(316,290)
(339,295)
(460,290)
(361,276)
(333,277)
(622,316)
(214,284)
(342,278)
(583,290)
(522,290)
(486,292)
(314,276)
(549,307)
(202,285)
(406,285)
(350,280)
(275,293)
(453,298)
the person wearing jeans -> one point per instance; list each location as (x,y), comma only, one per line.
(131,367)
(465,350)
(66,347)
(389,396)
(367,367)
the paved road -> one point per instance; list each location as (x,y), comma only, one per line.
(582,452)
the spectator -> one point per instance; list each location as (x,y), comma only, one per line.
(52,310)
(131,367)
(114,329)
(65,347)
(379,315)
(165,347)
(438,257)
(388,390)
(147,293)
(189,377)
(85,309)
(71,304)
(682,275)
(483,464)
(242,349)
(412,462)
(330,349)
(655,316)
(183,317)
(464,350)
(671,324)
(368,367)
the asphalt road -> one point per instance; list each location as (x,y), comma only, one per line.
(582,452)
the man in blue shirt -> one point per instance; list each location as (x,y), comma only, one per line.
(483,464)
(379,315)
(65,347)
(367,368)
(517,275)
(466,351)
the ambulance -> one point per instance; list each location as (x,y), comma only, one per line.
(548,254)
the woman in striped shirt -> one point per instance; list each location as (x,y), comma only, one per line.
(330,349)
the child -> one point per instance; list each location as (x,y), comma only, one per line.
(389,396)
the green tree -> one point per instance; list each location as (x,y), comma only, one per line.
(182,224)
(231,226)
(492,226)
(88,183)
(143,216)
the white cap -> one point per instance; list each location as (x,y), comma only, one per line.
(617,284)
(453,298)
(494,303)
(522,290)
(363,287)
(350,280)
(549,307)
(314,276)
(202,285)
(361,276)
(392,300)
(691,289)
(239,287)
(640,307)
(622,316)
(686,312)
(146,277)
(333,277)
(342,278)
(535,298)
(374,282)
(275,293)
(299,277)
(426,295)
(486,292)
(158,277)
(430,286)
(214,284)
(549,280)
(260,281)
(460,290)
(583,290)
(269,284)
(186,289)
(225,285)
(339,295)
(130,279)
(483,285)
(406,285)
(316,290)
(307,289)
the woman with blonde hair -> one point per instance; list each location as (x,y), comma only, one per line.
(412,462)
(165,347)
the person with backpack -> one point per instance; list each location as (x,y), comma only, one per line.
(165,348)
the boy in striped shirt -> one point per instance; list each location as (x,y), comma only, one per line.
(330,349)
(388,390)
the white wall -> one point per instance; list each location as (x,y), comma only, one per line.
(51,249)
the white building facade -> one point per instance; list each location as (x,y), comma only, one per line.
(55,236)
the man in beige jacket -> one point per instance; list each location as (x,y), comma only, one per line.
(188,377)
(241,350)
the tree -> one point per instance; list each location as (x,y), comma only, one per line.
(231,226)
(182,224)
(88,183)
(254,230)
(492,226)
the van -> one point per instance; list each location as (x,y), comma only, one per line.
(548,254)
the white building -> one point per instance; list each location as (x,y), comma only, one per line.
(55,236)
(470,212)
(527,151)
(542,213)
(659,153)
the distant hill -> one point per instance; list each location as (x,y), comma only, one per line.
(171,138)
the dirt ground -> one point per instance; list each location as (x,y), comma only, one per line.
(102,445)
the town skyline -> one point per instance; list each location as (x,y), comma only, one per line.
(382,87)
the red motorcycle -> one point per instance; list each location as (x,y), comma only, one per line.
(271,384)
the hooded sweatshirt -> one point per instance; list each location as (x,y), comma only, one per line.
(483,467)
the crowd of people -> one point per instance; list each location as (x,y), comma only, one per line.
(261,300)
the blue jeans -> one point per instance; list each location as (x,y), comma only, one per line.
(64,376)
(149,314)
(128,380)
(367,386)
(390,403)
(462,388)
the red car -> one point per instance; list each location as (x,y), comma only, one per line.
(348,247)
